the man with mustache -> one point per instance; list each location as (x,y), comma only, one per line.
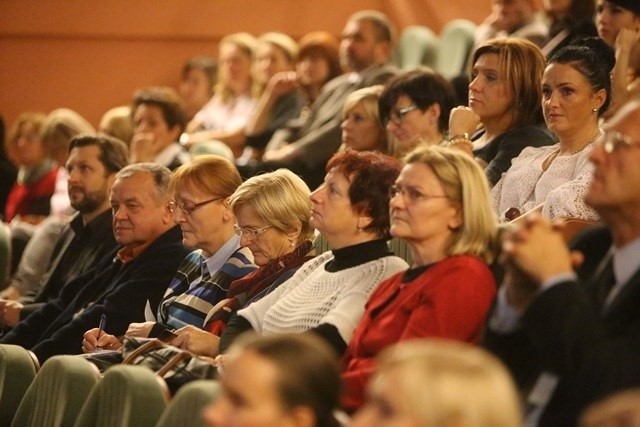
(92,165)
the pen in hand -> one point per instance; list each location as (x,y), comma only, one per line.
(101,326)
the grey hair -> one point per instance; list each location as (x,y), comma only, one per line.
(160,174)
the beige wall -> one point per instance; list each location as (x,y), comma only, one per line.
(90,55)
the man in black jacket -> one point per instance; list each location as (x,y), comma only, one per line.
(91,166)
(125,281)
(572,339)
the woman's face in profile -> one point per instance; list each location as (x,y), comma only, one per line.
(385,405)
(249,397)
(360,131)
(489,95)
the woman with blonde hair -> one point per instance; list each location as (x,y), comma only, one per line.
(504,114)
(225,116)
(361,126)
(449,288)
(440,383)
(273,65)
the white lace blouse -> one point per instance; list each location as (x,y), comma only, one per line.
(561,187)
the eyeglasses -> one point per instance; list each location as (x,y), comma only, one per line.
(410,195)
(189,208)
(612,141)
(397,116)
(250,233)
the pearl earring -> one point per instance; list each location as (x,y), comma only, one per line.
(595,110)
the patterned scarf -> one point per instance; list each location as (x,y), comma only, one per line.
(256,283)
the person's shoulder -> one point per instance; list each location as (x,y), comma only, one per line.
(379,75)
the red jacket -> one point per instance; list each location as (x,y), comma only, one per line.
(450,299)
(31,199)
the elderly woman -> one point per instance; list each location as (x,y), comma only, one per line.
(361,127)
(272,220)
(576,91)
(158,121)
(415,109)
(440,383)
(290,380)
(449,288)
(327,295)
(504,101)
(201,192)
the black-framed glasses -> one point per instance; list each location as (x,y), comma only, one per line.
(251,233)
(411,195)
(612,141)
(189,208)
(397,116)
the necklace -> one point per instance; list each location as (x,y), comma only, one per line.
(547,162)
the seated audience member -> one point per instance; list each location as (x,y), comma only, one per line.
(273,73)
(158,121)
(439,383)
(618,23)
(365,47)
(619,410)
(361,127)
(290,380)
(504,101)
(327,294)
(449,288)
(117,123)
(578,337)
(92,164)
(569,20)
(8,171)
(576,90)
(124,281)
(512,19)
(318,63)
(415,107)
(197,79)
(29,198)
(61,126)
(227,113)
(201,206)
(272,213)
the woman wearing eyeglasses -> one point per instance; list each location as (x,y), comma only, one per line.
(449,288)
(414,108)
(201,191)
(272,215)
(327,294)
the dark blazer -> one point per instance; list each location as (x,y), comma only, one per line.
(320,135)
(120,291)
(566,332)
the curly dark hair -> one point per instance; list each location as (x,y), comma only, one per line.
(167,100)
(371,174)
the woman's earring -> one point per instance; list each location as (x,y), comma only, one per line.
(595,110)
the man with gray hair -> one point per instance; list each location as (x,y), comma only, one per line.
(137,271)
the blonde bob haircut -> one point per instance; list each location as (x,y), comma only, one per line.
(521,64)
(450,383)
(465,184)
(279,198)
(212,174)
(369,97)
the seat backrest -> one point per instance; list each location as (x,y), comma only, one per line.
(185,409)
(456,42)
(57,393)
(417,46)
(127,396)
(18,368)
